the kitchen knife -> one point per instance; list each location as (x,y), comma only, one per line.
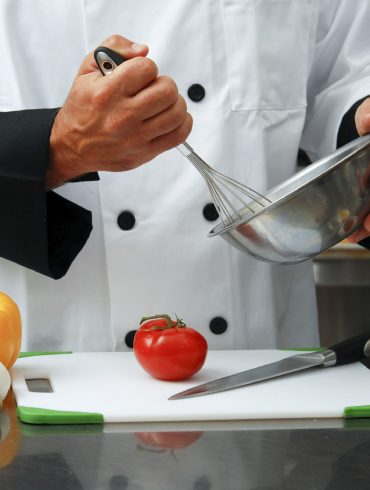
(345,352)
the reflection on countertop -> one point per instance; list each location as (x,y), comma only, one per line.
(326,454)
(307,454)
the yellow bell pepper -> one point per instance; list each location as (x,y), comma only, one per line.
(10,330)
(10,440)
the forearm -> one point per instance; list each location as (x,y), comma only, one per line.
(62,167)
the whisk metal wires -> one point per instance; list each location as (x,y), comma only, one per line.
(223,189)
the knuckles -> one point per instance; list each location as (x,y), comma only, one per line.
(120,123)
(100,97)
(180,109)
(145,66)
(115,41)
(176,137)
(167,89)
(184,130)
(177,113)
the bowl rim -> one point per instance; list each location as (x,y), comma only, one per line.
(348,150)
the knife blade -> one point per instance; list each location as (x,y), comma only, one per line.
(350,350)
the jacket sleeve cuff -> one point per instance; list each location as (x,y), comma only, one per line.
(40,230)
(86,177)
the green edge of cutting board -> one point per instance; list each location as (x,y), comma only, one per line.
(37,430)
(32,354)
(32,415)
(362,411)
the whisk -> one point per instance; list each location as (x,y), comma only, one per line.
(223,189)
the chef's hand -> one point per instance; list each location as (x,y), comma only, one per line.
(362,119)
(118,122)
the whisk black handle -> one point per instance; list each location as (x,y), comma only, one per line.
(107,59)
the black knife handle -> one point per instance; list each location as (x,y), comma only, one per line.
(352,350)
(110,54)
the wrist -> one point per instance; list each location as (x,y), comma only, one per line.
(64,164)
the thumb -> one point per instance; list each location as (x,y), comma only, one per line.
(362,118)
(126,48)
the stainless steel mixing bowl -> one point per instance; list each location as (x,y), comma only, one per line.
(315,209)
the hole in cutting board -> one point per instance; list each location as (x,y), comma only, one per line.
(39,385)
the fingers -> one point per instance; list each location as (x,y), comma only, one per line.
(172,139)
(149,95)
(167,121)
(358,235)
(123,46)
(362,233)
(362,118)
(132,76)
(157,97)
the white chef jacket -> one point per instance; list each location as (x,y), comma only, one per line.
(277,75)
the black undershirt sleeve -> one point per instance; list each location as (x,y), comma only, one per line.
(40,230)
(348,132)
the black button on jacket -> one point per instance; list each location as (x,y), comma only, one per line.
(196,92)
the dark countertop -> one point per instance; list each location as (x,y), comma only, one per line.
(258,455)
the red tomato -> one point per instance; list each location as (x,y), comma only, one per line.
(168,440)
(168,349)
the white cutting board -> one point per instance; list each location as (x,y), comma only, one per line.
(115,385)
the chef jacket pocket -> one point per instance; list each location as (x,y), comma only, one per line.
(267,44)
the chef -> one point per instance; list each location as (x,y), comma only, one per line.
(261,78)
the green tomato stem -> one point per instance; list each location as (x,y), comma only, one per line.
(179,323)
